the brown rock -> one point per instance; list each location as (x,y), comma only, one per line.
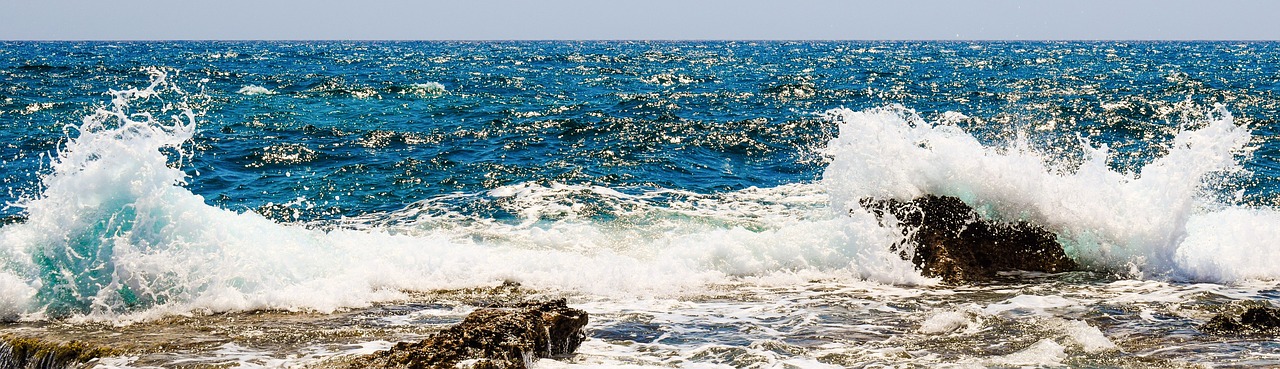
(25,352)
(946,238)
(499,338)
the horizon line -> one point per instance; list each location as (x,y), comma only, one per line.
(640,40)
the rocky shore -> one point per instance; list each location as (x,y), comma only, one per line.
(494,338)
(514,328)
(332,340)
(1256,320)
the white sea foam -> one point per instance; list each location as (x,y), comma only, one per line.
(15,295)
(430,86)
(425,89)
(1032,305)
(255,90)
(1045,353)
(1157,221)
(949,321)
(1088,337)
(1231,245)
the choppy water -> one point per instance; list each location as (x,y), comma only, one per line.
(694,197)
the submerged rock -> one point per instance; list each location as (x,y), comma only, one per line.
(1255,320)
(946,238)
(498,338)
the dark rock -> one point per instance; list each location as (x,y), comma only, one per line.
(946,238)
(1255,320)
(497,338)
(1223,323)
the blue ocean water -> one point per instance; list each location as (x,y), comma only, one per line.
(381,124)
(154,178)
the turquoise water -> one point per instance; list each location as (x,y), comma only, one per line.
(153,178)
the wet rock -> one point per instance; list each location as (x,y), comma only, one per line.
(496,338)
(22,353)
(1255,320)
(946,238)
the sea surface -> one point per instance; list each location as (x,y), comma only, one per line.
(298,202)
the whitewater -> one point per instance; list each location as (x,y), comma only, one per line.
(747,247)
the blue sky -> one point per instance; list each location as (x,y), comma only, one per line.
(654,19)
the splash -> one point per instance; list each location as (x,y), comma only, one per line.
(103,185)
(115,233)
(250,90)
(115,236)
(1154,222)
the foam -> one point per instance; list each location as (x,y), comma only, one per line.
(241,357)
(1088,337)
(15,295)
(1106,219)
(251,90)
(119,362)
(1231,245)
(1032,305)
(1043,353)
(427,89)
(949,322)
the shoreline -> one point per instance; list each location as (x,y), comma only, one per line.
(857,323)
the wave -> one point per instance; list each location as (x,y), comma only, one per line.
(115,235)
(1164,220)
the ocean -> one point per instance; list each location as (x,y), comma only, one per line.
(282,204)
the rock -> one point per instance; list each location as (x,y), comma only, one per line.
(946,238)
(1255,320)
(24,352)
(496,338)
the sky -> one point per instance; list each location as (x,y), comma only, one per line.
(639,20)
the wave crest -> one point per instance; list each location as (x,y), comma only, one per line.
(1106,218)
